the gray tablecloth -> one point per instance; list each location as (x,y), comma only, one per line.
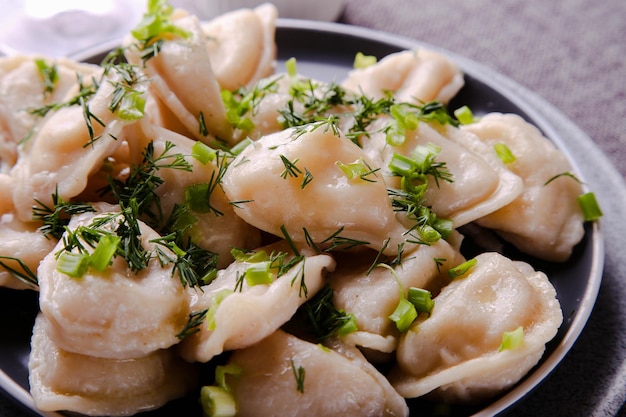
(573,54)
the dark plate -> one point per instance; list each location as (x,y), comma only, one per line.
(326,51)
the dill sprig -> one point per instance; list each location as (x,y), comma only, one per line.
(23,274)
(49,75)
(322,317)
(195,265)
(57,217)
(195,320)
(143,180)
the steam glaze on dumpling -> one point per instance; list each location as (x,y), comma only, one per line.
(332,385)
(455,353)
(545,220)
(272,199)
(62,380)
(117,313)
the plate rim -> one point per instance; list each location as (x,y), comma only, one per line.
(514,92)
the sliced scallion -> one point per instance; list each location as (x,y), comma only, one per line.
(504,153)
(590,207)
(238,148)
(73,264)
(203,153)
(101,257)
(291,67)
(363,61)
(217,402)
(348,327)
(259,273)
(217,300)
(197,198)
(403,315)
(512,339)
(421,299)
(464,115)
(462,269)
(132,106)
(221,371)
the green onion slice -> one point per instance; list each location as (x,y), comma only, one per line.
(464,115)
(590,207)
(512,339)
(363,61)
(259,273)
(421,299)
(221,371)
(217,402)
(203,153)
(404,315)
(462,269)
(504,153)
(348,327)
(73,264)
(104,252)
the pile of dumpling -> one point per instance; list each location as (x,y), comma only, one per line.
(310,198)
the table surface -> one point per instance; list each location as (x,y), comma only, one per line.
(573,55)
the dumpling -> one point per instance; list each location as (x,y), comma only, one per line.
(290,181)
(244,314)
(333,384)
(455,353)
(183,81)
(217,229)
(545,221)
(64,152)
(21,241)
(23,89)
(480,183)
(373,297)
(117,313)
(62,380)
(417,76)
(241,45)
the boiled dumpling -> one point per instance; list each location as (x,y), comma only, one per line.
(64,152)
(21,241)
(417,76)
(479,182)
(118,313)
(372,297)
(456,351)
(216,227)
(244,314)
(23,90)
(333,384)
(241,45)
(545,220)
(62,380)
(184,84)
(290,182)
